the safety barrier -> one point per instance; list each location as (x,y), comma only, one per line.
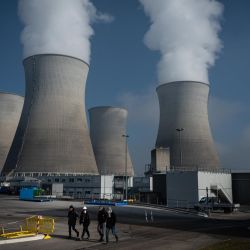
(33,225)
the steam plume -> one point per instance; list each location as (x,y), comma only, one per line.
(58,27)
(186,34)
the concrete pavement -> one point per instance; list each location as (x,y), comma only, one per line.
(166,230)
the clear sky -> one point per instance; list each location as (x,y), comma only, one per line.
(123,73)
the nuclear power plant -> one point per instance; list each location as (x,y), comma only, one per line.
(185,162)
(52,136)
(108,136)
(52,144)
(10,111)
(184,126)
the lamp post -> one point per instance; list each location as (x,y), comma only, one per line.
(126,165)
(147,169)
(179,130)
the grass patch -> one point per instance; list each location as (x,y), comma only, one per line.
(230,245)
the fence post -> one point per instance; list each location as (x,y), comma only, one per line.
(146,216)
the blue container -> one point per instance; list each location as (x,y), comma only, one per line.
(27,194)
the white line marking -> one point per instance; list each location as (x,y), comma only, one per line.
(31,238)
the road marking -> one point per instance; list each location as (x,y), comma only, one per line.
(20,240)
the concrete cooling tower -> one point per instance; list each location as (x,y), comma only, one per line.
(107,127)
(184,125)
(10,111)
(52,135)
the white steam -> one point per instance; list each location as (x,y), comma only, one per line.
(58,27)
(186,34)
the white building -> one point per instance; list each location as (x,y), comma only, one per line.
(186,188)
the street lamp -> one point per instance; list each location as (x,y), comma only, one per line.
(179,130)
(126,165)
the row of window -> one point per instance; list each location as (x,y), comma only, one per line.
(79,192)
(71,180)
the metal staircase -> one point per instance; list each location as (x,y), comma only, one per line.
(221,193)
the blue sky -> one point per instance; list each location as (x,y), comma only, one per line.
(123,73)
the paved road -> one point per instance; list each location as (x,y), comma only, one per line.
(163,230)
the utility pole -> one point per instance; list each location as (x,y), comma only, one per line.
(126,165)
(179,130)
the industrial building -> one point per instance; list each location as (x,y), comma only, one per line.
(53,149)
(160,160)
(52,136)
(186,188)
(74,186)
(184,164)
(52,144)
(184,126)
(10,111)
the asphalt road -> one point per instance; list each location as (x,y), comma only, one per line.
(162,229)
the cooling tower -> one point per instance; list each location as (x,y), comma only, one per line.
(10,111)
(107,127)
(52,134)
(184,125)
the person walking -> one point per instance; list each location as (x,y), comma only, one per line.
(85,221)
(72,218)
(101,218)
(111,221)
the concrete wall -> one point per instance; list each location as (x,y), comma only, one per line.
(241,187)
(182,188)
(209,179)
(107,125)
(160,188)
(184,105)
(52,135)
(160,160)
(107,186)
(11,106)
(143,184)
(57,189)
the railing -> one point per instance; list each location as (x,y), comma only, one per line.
(30,226)
(188,209)
(203,169)
(175,203)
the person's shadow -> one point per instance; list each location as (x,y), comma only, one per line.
(65,237)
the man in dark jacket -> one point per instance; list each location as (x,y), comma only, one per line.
(85,221)
(101,217)
(72,217)
(110,224)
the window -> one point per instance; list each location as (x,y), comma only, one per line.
(79,179)
(56,179)
(63,180)
(87,180)
(87,192)
(49,180)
